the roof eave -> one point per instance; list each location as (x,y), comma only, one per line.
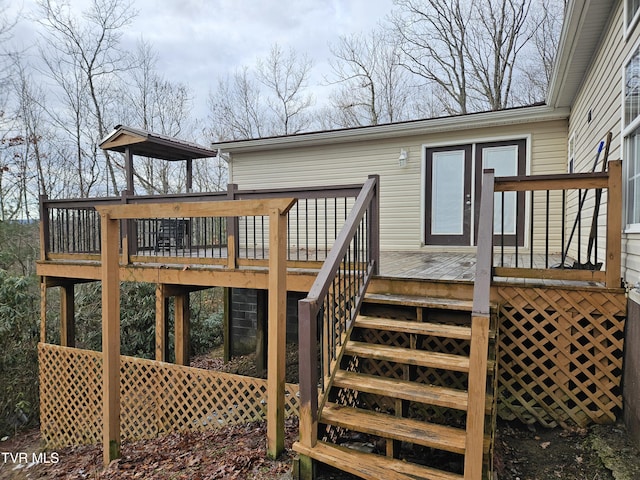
(576,48)
(395,130)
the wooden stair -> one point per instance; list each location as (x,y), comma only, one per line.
(363,399)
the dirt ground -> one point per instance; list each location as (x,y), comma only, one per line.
(522,453)
(600,452)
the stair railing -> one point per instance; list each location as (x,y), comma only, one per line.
(327,314)
(481,313)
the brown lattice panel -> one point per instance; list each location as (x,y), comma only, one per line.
(560,355)
(155,397)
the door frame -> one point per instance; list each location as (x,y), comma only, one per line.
(521,209)
(473,141)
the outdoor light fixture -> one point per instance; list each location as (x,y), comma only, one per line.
(402,159)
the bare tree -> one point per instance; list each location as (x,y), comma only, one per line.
(468,52)
(286,76)
(499,35)
(270,99)
(373,84)
(434,36)
(160,106)
(236,108)
(88,47)
(38,177)
(537,68)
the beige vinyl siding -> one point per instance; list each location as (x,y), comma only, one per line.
(400,188)
(602,94)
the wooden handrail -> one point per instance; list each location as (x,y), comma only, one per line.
(309,308)
(563,181)
(308,192)
(199,209)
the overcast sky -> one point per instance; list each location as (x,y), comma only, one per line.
(199,40)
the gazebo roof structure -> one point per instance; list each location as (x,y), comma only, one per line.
(154,145)
(134,141)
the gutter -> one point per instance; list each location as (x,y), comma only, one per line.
(521,115)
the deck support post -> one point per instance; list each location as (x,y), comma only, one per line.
(162,320)
(262,306)
(110,337)
(43,309)
(182,321)
(614,224)
(276,331)
(477,389)
(226,355)
(67,315)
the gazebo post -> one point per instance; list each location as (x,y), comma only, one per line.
(189,180)
(128,166)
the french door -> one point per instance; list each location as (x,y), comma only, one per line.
(507,159)
(451,208)
(448,196)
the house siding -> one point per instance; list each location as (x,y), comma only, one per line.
(400,188)
(601,94)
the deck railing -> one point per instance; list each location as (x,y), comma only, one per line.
(560,227)
(327,314)
(71,228)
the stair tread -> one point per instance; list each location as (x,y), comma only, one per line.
(371,466)
(420,301)
(409,356)
(414,327)
(430,435)
(403,389)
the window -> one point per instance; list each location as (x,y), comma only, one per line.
(632,138)
(571,153)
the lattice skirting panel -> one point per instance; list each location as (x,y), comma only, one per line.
(560,355)
(155,397)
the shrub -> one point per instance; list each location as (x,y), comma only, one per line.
(19,335)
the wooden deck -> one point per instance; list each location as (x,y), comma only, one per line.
(461,267)
(411,265)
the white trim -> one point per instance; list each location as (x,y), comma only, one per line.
(634,295)
(423,196)
(630,25)
(472,223)
(571,152)
(474,140)
(625,131)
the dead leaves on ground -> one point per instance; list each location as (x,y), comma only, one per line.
(236,452)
